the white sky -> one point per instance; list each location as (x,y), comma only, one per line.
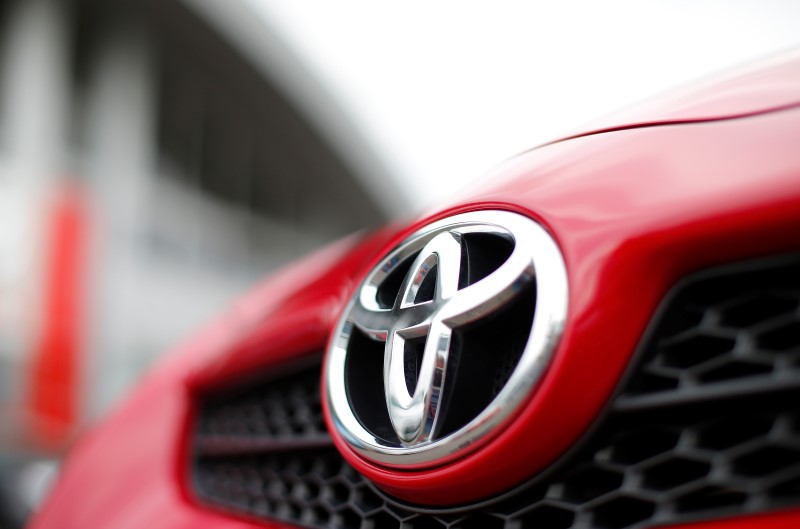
(447,89)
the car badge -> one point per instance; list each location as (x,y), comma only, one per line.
(446,338)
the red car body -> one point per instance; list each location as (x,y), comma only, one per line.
(707,176)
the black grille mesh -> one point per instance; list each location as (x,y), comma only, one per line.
(285,408)
(706,426)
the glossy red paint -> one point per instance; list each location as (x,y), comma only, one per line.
(781,520)
(131,471)
(633,211)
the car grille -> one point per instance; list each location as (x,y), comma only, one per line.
(705,425)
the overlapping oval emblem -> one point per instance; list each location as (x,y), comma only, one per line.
(445,338)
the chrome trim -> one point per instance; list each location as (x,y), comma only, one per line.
(535,257)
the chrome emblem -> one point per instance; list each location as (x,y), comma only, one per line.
(392,380)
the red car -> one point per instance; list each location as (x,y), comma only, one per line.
(605,334)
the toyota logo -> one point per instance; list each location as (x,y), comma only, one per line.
(446,337)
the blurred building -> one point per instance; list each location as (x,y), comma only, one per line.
(157,157)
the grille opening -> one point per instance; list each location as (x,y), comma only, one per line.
(623,512)
(788,490)
(718,498)
(653,382)
(782,337)
(707,441)
(281,408)
(674,473)
(640,444)
(482,358)
(365,392)
(427,289)
(550,516)
(731,370)
(765,461)
(590,482)
(482,254)
(390,288)
(722,434)
(412,360)
(758,308)
(696,350)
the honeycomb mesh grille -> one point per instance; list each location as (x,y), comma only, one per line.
(706,426)
(285,408)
